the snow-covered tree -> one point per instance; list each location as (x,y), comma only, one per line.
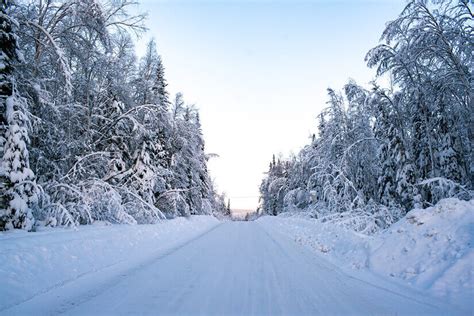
(427,51)
(381,152)
(18,185)
(99,121)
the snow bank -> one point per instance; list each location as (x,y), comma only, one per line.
(33,263)
(431,249)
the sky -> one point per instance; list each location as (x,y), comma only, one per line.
(259,70)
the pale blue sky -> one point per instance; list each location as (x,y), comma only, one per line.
(259,70)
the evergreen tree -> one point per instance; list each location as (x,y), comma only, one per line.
(228,209)
(18,180)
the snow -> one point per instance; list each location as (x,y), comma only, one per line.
(190,266)
(9,106)
(430,249)
(35,263)
(19,204)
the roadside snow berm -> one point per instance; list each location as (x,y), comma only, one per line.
(432,249)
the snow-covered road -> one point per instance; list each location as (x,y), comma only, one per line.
(233,268)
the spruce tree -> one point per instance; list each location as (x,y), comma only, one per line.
(18,181)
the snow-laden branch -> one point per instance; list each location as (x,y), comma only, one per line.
(74,167)
(61,58)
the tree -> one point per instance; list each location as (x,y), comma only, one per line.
(381,152)
(119,153)
(427,51)
(17,177)
(228,209)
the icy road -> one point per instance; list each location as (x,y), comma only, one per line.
(233,268)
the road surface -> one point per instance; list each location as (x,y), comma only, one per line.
(235,268)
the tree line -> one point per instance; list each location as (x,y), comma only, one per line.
(381,151)
(88,131)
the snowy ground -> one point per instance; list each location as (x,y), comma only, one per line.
(196,266)
(429,249)
(33,264)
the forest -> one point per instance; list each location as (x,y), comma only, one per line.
(88,131)
(383,150)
